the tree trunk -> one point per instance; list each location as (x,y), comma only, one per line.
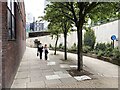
(80,56)
(56,45)
(65,44)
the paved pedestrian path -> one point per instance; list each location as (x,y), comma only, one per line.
(36,73)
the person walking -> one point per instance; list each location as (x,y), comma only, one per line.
(46,51)
(40,49)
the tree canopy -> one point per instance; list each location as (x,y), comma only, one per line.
(78,13)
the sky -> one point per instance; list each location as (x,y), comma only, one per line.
(34,8)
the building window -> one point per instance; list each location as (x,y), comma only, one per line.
(11,19)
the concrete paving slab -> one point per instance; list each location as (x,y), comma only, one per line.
(50,77)
(44,68)
(23,69)
(51,63)
(24,64)
(58,72)
(39,84)
(35,74)
(68,80)
(35,71)
(48,82)
(64,66)
(49,70)
(47,73)
(81,78)
(19,81)
(64,75)
(31,67)
(21,75)
(73,66)
(65,72)
(22,85)
(34,64)
(37,79)
(58,69)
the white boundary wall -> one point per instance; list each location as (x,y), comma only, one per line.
(103,34)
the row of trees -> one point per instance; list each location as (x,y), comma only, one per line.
(62,15)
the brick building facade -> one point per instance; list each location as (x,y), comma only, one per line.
(12,38)
(0,46)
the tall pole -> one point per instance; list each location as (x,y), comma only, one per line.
(113,44)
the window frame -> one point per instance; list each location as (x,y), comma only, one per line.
(11,17)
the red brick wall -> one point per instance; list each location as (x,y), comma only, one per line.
(0,46)
(12,51)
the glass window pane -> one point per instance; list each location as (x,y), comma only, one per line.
(9,23)
(13,7)
(9,4)
(13,27)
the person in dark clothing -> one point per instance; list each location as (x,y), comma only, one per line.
(46,52)
(40,49)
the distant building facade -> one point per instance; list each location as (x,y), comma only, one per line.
(37,26)
(27,26)
(32,26)
(103,34)
(12,39)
